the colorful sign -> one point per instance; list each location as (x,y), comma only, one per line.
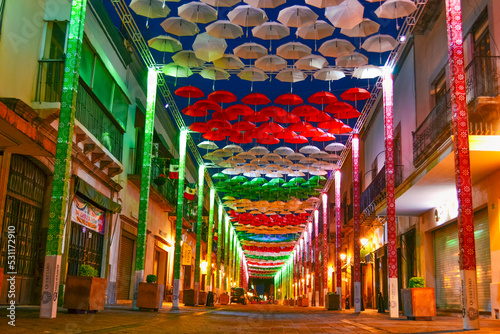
(87,215)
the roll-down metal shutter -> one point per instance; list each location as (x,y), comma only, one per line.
(125,268)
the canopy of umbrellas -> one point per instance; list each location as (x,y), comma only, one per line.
(211,47)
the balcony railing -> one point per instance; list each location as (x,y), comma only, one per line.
(375,192)
(169,189)
(482,76)
(94,116)
(49,82)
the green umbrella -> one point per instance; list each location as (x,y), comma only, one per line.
(258,180)
(219,176)
(297,180)
(277,181)
(317,178)
(228,198)
(239,179)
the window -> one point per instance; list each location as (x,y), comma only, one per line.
(2,7)
(439,87)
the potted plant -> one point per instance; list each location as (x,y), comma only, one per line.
(332,301)
(160,180)
(150,294)
(419,302)
(224,299)
(85,292)
(304,301)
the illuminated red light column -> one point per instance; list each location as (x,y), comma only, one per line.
(391,199)
(467,254)
(338,231)
(355,182)
(316,258)
(325,245)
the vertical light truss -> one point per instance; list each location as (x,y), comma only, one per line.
(227,283)
(467,247)
(220,224)
(316,257)
(61,180)
(391,195)
(338,231)
(357,227)
(325,244)
(199,222)
(210,238)
(179,213)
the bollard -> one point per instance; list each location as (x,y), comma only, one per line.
(347,303)
(381,308)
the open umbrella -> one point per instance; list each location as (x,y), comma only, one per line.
(221,3)
(334,147)
(256,99)
(311,63)
(336,48)
(252,74)
(288,99)
(297,16)
(346,15)
(214,73)
(222,96)
(324,3)
(189,92)
(180,27)
(380,43)
(187,58)
(293,50)
(250,51)
(151,9)
(367,72)
(329,74)
(270,31)
(229,62)
(394,9)
(164,43)
(316,31)
(322,98)
(198,12)
(177,71)
(247,16)
(224,29)
(209,48)
(271,63)
(291,75)
(365,28)
(265,3)
(353,60)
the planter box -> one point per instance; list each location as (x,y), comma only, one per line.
(85,293)
(419,303)
(224,299)
(150,296)
(188,297)
(304,302)
(202,298)
(299,301)
(332,302)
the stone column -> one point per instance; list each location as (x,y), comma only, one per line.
(219,252)
(357,227)
(325,245)
(338,232)
(199,222)
(210,239)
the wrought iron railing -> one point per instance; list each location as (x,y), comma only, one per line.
(437,125)
(169,188)
(375,192)
(482,75)
(49,81)
(94,116)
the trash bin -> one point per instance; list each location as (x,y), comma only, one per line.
(210,298)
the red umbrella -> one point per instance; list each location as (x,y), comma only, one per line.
(297,140)
(314,132)
(338,106)
(289,99)
(324,137)
(254,133)
(207,104)
(355,94)
(273,111)
(240,110)
(199,127)
(288,118)
(256,117)
(213,136)
(305,110)
(222,96)
(194,112)
(189,92)
(353,113)
(224,115)
(243,126)
(226,132)
(300,126)
(319,117)
(271,127)
(218,124)
(322,98)
(330,124)
(268,140)
(241,138)
(286,134)
(256,99)
(343,129)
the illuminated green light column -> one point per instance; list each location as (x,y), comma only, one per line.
(60,185)
(201,185)
(210,239)
(238,266)
(140,251)
(230,259)
(180,209)
(219,252)
(226,255)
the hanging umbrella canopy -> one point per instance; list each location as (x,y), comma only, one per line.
(379,43)
(271,31)
(291,75)
(221,3)
(288,99)
(336,48)
(353,60)
(271,63)
(256,99)
(151,9)
(297,16)
(319,117)
(316,31)
(311,63)
(265,3)
(208,145)
(322,98)
(224,29)
(229,62)
(367,72)
(196,112)
(198,12)
(179,27)
(250,51)
(209,48)
(288,118)
(165,43)
(240,110)
(253,74)
(222,96)
(355,94)
(187,58)
(393,9)
(247,16)
(200,127)
(177,71)
(293,50)
(365,28)
(304,110)
(214,73)
(346,15)
(329,74)
(323,3)
(273,111)
(189,92)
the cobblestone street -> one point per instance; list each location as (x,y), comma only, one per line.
(232,319)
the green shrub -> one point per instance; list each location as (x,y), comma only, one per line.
(151,278)
(417,282)
(87,270)
(330,293)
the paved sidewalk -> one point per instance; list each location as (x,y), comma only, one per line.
(231,319)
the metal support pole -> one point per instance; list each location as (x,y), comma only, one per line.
(357,227)
(220,224)
(338,232)
(210,239)
(199,222)
(316,258)
(325,246)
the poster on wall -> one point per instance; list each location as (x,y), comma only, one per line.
(87,215)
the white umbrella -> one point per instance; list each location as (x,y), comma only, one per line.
(180,27)
(318,30)
(187,58)
(208,145)
(334,147)
(365,28)
(393,9)
(258,150)
(209,48)
(319,155)
(214,73)
(224,29)
(332,157)
(309,149)
(265,3)
(250,51)
(346,15)
(271,31)
(291,75)
(324,3)
(271,63)
(295,156)
(297,16)
(293,50)
(197,12)
(329,74)
(311,63)
(252,74)
(221,3)
(247,16)
(164,44)
(367,72)
(229,62)
(151,9)
(284,151)
(353,60)
(336,48)
(379,43)
(177,71)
